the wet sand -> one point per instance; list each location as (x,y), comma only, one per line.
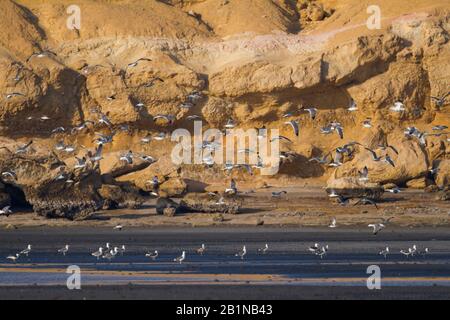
(301,206)
(287,271)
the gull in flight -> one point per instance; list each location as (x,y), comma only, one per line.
(5,211)
(364,174)
(377,227)
(367,123)
(181,258)
(232,189)
(64,249)
(439,128)
(103,119)
(23,148)
(9,174)
(160,136)
(42,54)
(152,82)
(389,160)
(147,158)
(440,101)
(135,63)
(118,227)
(58,130)
(14,94)
(81,163)
(384,252)
(337,161)
(230,124)
(153,255)
(98,253)
(81,126)
(352,106)
(375,157)
(281,138)
(98,154)
(366,201)
(186,105)
(294,125)
(278,194)
(128,157)
(323,160)
(384,147)
(26,251)
(398,107)
(333,223)
(393,190)
(312,112)
(193,117)
(202,249)
(333,194)
(242,253)
(168,117)
(264,249)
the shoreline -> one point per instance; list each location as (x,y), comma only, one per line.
(302,207)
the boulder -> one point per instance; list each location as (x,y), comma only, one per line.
(204,204)
(121,195)
(173,187)
(164,204)
(351,187)
(443,175)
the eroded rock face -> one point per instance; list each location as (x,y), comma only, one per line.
(254,71)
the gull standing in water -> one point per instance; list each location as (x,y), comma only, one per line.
(314,248)
(153,255)
(384,252)
(13,258)
(202,249)
(242,253)
(98,253)
(264,249)
(323,251)
(26,251)
(181,258)
(64,250)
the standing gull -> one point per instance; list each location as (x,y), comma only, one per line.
(64,250)
(153,255)
(264,249)
(181,258)
(242,253)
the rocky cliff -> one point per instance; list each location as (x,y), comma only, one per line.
(258,62)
